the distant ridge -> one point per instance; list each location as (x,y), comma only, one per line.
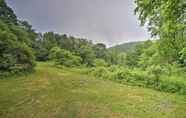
(126,47)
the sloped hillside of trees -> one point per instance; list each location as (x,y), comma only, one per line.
(16,40)
(126,47)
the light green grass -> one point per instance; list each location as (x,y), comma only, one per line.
(63,93)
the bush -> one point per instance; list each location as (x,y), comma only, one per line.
(183,56)
(100,63)
(64,57)
(120,74)
(152,79)
(139,77)
(54,52)
(100,72)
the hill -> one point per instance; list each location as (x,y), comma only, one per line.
(126,47)
(65,93)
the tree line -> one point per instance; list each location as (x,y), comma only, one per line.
(21,46)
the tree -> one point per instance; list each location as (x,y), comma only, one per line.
(121,59)
(100,50)
(43,44)
(87,54)
(13,52)
(165,20)
(132,59)
(16,53)
(7,14)
(7,44)
(49,40)
(164,17)
(31,32)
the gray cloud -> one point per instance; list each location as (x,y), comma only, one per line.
(108,21)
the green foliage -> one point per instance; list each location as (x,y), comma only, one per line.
(68,94)
(132,59)
(149,56)
(166,20)
(100,50)
(16,54)
(126,47)
(139,63)
(100,63)
(6,48)
(41,52)
(115,58)
(54,52)
(64,57)
(121,59)
(120,74)
(87,54)
(155,70)
(183,56)
(155,77)
(79,47)
(7,14)
(100,72)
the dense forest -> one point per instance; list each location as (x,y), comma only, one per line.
(158,64)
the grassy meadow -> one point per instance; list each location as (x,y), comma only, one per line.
(54,74)
(51,92)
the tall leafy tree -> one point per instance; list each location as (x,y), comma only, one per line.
(15,50)
(165,20)
(7,14)
(100,50)
(87,54)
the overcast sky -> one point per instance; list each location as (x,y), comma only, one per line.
(107,21)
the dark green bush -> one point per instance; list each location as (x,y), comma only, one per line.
(15,56)
(120,74)
(100,72)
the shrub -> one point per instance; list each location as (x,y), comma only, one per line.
(169,87)
(121,74)
(183,56)
(54,52)
(100,72)
(64,57)
(100,63)
(152,79)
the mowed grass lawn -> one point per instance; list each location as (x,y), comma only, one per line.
(63,93)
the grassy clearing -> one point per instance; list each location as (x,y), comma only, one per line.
(64,93)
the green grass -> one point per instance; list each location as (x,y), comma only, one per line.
(64,93)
